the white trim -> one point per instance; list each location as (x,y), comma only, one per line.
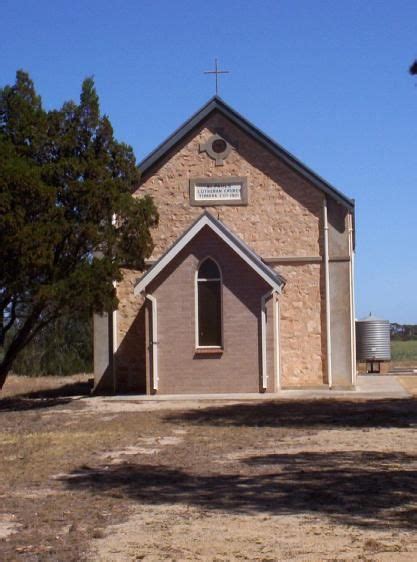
(263,339)
(277,343)
(196,307)
(115,338)
(114,350)
(115,343)
(196,325)
(154,343)
(327,286)
(237,246)
(352,299)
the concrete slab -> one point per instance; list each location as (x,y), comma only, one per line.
(386,385)
(368,387)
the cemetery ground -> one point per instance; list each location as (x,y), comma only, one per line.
(87,478)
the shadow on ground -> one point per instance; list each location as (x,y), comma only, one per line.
(45,398)
(323,413)
(366,489)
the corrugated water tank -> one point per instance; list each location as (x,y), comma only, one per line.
(373,343)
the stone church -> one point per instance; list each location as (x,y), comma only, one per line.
(250,286)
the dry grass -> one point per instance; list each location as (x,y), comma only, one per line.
(19,385)
(45,434)
(409,383)
(305,480)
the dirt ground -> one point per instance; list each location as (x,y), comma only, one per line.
(409,383)
(100,480)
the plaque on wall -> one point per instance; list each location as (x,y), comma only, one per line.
(207,192)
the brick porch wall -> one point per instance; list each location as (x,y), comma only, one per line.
(237,369)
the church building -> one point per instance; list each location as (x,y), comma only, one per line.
(250,286)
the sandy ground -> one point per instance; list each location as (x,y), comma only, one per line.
(306,480)
(189,532)
(182,533)
(409,383)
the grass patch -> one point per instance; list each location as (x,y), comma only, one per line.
(20,385)
(404,350)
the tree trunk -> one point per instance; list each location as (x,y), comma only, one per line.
(20,340)
(5,367)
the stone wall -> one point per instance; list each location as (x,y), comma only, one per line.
(284,210)
(302,325)
(131,338)
(283,218)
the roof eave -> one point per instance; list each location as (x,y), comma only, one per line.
(175,137)
(276,281)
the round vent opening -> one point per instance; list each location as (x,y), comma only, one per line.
(218,146)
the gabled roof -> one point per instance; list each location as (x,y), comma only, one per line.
(274,280)
(216,103)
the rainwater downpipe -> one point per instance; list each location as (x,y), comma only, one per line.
(352,297)
(114,344)
(327,291)
(154,343)
(277,343)
(114,328)
(264,298)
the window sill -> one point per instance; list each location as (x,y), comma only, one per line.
(208,351)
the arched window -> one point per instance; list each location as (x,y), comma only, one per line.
(209,307)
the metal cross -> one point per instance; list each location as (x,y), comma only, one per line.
(216,71)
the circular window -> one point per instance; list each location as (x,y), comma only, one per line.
(218,146)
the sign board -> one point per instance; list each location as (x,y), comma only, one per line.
(218,191)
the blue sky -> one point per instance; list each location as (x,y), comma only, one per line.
(327,79)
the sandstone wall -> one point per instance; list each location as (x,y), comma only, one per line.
(284,210)
(131,338)
(302,325)
(283,218)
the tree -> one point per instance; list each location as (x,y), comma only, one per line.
(68,221)
(63,347)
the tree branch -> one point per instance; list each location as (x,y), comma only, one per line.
(6,327)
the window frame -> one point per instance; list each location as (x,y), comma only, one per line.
(208,348)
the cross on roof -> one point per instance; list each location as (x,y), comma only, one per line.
(216,71)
